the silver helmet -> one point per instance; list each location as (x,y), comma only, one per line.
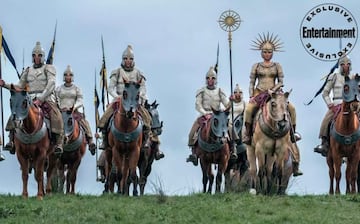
(237,89)
(68,70)
(128,53)
(211,74)
(344,60)
(38,50)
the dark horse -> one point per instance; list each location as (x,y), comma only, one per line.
(147,155)
(125,137)
(345,138)
(236,168)
(32,141)
(212,148)
(74,150)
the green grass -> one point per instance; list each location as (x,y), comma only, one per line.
(195,208)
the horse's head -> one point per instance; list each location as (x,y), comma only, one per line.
(351,92)
(156,126)
(277,108)
(130,98)
(220,123)
(20,103)
(68,122)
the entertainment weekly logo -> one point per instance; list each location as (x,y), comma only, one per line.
(328,32)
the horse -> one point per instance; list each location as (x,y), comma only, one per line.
(32,139)
(147,155)
(236,168)
(125,136)
(345,138)
(74,150)
(269,145)
(212,147)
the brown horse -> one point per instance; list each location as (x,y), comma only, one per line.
(270,143)
(212,148)
(32,142)
(345,138)
(74,150)
(125,136)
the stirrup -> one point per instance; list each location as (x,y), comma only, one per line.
(2,157)
(192,158)
(10,146)
(159,155)
(92,148)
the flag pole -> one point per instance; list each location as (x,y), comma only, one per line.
(96,135)
(2,157)
(229,21)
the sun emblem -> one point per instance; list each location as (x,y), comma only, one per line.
(229,21)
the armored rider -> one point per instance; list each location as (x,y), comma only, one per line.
(70,97)
(129,73)
(266,77)
(334,84)
(40,79)
(208,97)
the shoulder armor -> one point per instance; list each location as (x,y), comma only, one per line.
(200,91)
(50,68)
(331,76)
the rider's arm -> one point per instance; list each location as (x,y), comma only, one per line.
(199,102)
(79,98)
(327,89)
(253,78)
(113,84)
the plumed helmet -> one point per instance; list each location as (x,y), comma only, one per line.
(344,60)
(128,53)
(211,74)
(68,70)
(237,89)
(38,50)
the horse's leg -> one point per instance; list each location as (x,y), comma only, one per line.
(24,164)
(250,152)
(211,178)
(330,163)
(39,172)
(133,162)
(205,177)
(337,171)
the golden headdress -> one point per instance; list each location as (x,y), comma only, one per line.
(267,42)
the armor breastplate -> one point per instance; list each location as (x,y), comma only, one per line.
(266,76)
(211,99)
(67,96)
(37,80)
(131,76)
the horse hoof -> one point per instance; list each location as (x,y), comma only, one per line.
(252,191)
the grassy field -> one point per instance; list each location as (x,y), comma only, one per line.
(194,208)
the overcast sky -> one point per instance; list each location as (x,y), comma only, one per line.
(174,44)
